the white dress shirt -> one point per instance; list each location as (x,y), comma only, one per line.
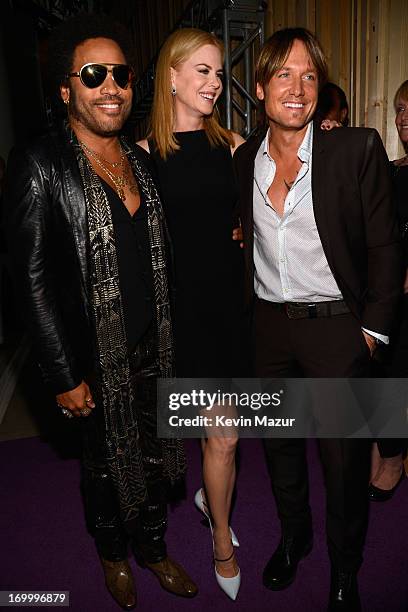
(290,264)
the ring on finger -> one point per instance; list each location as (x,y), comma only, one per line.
(85,412)
(67,413)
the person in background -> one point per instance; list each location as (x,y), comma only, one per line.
(332,104)
(193,157)
(87,242)
(387,468)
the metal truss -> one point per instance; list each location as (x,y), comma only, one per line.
(242,29)
(196,15)
(240,24)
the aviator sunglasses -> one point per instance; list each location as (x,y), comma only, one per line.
(93,75)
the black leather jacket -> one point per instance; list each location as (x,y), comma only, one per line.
(48,241)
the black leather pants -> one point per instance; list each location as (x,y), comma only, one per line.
(146,532)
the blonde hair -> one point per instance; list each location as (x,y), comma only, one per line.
(177,49)
(402,92)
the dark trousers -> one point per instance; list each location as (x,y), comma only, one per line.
(395,365)
(146,533)
(321,347)
(391,447)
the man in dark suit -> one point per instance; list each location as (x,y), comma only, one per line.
(322,281)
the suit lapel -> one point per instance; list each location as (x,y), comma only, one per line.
(320,194)
(245,174)
(246,171)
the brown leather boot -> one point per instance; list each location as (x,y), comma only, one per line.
(173,578)
(120,583)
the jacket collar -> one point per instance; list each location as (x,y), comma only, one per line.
(318,137)
(320,190)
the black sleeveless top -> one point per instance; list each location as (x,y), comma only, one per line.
(199,196)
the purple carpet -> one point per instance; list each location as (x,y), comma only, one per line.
(44,543)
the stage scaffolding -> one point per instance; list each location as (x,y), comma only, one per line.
(240,24)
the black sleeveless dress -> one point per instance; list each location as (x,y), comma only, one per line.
(199,194)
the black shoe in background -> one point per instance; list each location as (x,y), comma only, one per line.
(381,495)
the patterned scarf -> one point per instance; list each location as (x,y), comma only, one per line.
(124,455)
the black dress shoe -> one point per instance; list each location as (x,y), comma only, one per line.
(280,570)
(120,584)
(344,595)
(382,495)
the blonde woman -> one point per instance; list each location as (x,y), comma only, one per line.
(193,157)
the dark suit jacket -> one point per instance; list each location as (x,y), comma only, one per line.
(354,215)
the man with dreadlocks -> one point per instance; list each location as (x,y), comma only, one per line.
(87,241)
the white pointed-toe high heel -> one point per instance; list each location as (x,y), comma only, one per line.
(230,586)
(202,506)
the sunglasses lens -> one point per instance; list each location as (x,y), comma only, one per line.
(122,75)
(93,75)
